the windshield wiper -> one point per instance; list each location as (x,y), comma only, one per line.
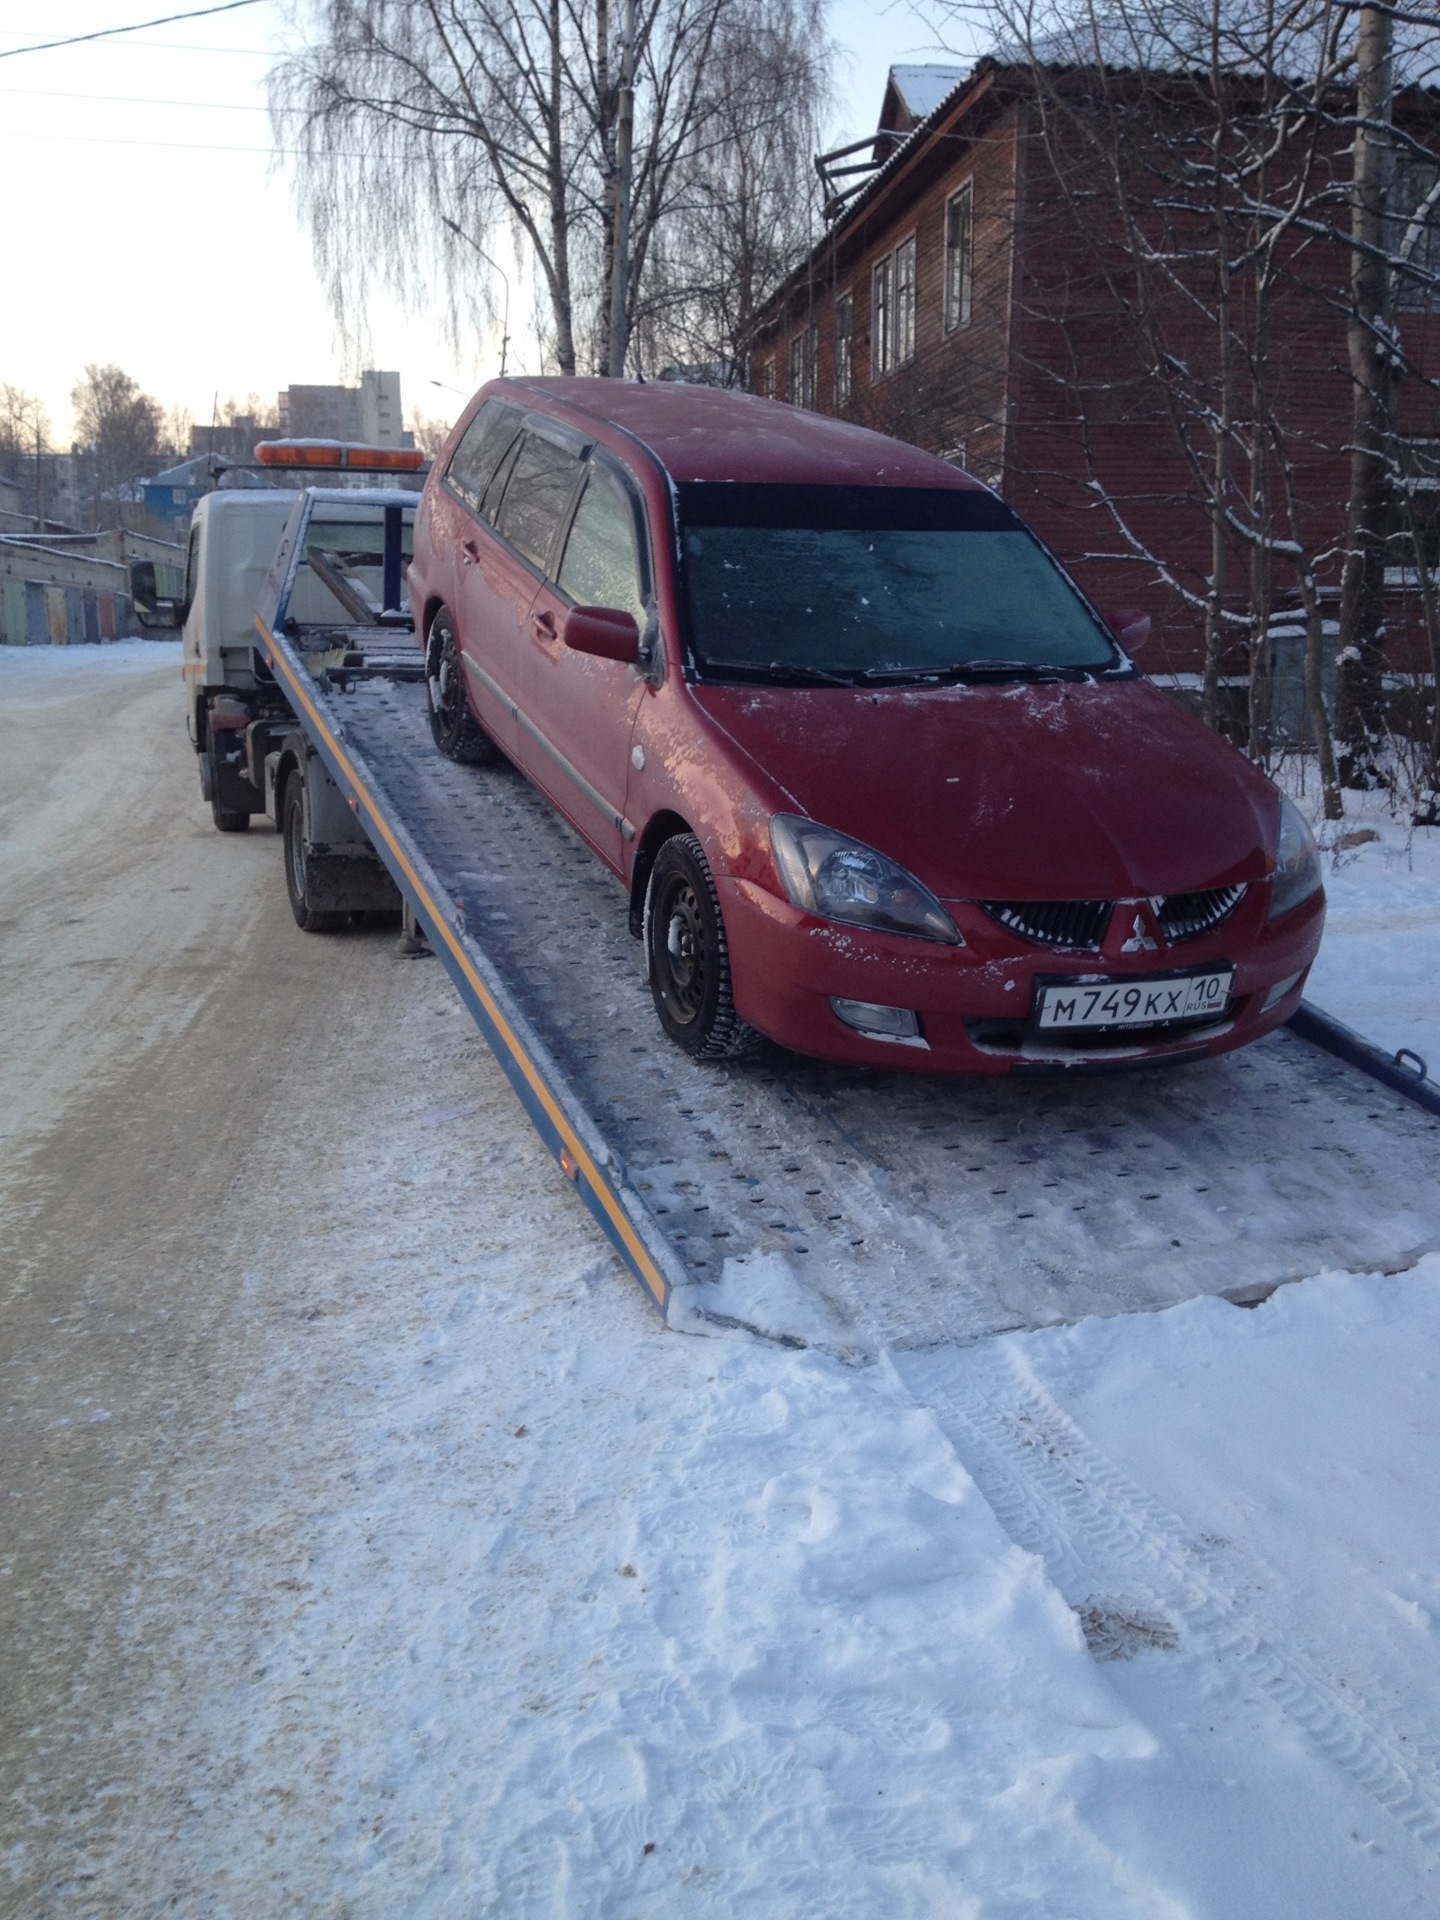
(782,675)
(972,670)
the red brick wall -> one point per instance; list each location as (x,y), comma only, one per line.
(1051,388)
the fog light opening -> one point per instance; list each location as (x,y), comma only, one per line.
(1278,992)
(897,1024)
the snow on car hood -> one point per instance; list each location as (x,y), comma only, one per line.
(1020,792)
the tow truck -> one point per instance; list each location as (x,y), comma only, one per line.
(810,1203)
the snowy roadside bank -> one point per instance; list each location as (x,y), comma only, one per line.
(1378,968)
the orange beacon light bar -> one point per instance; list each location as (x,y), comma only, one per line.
(334,455)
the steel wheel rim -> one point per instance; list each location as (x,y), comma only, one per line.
(445,677)
(684,947)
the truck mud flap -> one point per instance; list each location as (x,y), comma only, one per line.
(348,883)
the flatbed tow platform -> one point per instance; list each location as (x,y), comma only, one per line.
(835,1207)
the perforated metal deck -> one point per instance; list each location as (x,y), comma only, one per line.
(854,1209)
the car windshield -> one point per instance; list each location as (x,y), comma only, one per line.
(876,583)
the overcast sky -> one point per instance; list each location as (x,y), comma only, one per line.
(148,222)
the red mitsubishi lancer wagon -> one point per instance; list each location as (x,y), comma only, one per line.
(882,785)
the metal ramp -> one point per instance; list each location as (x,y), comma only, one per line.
(843,1208)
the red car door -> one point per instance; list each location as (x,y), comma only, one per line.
(578,711)
(490,591)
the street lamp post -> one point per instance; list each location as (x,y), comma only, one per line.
(460,234)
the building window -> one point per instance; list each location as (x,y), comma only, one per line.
(844,334)
(1413,533)
(882,318)
(767,379)
(801,390)
(959,257)
(1414,201)
(892,330)
(905,301)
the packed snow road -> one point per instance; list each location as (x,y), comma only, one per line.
(370,1547)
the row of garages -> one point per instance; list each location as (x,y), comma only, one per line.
(74,590)
(34,613)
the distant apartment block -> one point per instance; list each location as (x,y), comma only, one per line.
(369,413)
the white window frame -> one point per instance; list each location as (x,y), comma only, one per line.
(882,317)
(893,309)
(959,256)
(904,285)
(767,377)
(800,391)
(844,347)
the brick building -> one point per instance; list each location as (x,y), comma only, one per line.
(974,297)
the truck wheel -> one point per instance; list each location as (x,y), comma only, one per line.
(456,731)
(689,959)
(226,819)
(292,825)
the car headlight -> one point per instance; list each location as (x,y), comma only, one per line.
(826,873)
(1297,861)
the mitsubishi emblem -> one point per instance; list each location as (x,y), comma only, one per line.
(1139,941)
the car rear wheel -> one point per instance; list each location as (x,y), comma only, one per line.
(455,730)
(688,956)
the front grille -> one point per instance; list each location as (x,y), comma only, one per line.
(1184,915)
(1054,923)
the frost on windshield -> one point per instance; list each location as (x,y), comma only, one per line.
(820,587)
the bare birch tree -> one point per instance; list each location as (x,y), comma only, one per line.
(429,128)
(746,198)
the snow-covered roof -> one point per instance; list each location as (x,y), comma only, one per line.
(1175,36)
(190,472)
(921,89)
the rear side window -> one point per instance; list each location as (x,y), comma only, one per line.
(601,567)
(537,498)
(473,463)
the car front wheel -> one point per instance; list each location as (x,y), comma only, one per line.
(688,956)
(455,730)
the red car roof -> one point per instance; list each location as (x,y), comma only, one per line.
(718,434)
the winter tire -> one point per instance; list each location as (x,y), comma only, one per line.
(688,956)
(292,826)
(227,819)
(455,730)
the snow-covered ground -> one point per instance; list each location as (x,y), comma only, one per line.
(1379,967)
(404,1563)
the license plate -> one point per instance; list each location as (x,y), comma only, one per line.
(1134,1003)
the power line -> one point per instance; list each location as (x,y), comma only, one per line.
(165,46)
(166,146)
(132,100)
(138,26)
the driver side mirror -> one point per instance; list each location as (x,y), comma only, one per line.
(603,631)
(1130,626)
(156,593)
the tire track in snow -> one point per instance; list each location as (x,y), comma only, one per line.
(1106,1543)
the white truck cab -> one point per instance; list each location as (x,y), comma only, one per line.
(241,727)
(233,537)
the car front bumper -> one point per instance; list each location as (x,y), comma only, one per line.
(975,1004)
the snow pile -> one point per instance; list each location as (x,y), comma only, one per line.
(1379,965)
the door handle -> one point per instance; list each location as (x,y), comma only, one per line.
(469,551)
(542,625)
